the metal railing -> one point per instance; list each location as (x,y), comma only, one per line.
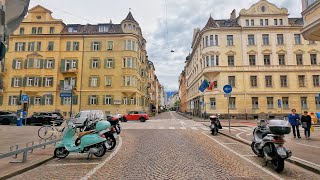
(26,150)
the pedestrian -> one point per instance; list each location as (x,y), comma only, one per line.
(294,120)
(306,124)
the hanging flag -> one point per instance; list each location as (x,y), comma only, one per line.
(211,85)
(204,85)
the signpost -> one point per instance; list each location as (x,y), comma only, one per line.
(227,89)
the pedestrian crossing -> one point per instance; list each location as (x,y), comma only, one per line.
(171,128)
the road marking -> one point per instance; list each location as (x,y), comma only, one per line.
(161,127)
(205,128)
(104,162)
(71,164)
(182,123)
(238,136)
(240,129)
(194,128)
(172,128)
(311,163)
(307,145)
(243,157)
(249,155)
(183,128)
(229,143)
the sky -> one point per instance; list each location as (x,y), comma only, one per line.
(166,24)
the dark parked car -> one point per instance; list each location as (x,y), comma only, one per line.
(7,117)
(45,118)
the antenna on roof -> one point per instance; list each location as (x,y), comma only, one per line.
(129,9)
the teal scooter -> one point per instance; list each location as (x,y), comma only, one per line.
(92,142)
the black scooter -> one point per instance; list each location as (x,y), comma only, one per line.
(215,124)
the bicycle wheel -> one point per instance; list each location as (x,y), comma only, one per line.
(45,132)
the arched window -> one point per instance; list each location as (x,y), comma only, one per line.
(125,26)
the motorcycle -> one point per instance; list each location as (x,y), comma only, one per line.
(268,142)
(93,142)
(215,125)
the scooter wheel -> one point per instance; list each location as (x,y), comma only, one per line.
(111,141)
(256,151)
(101,150)
(278,164)
(61,152)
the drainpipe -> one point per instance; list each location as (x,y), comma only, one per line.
(82,56)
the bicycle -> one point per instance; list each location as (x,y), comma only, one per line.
(48,131)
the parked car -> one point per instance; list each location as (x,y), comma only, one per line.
(136,116)
(81,117)
(8,118)
(44,118)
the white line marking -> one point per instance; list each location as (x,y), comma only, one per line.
(194,128)
(307,145)
(182,123)
(250,155)
(72,164)
(172,128)
(104,162)
(161,127)
(229,143)
(241,156)
(205,128)
(240,129)
(311,163)
(238,136)
(183,128)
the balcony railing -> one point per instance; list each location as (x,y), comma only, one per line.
(69,71)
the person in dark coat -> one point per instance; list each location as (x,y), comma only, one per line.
(306,124)
(294,120)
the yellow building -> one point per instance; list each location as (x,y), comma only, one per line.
(262,54)
(105,64)
(311,17)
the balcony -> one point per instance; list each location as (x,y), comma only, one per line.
(311,17)
(129,71)
(69,71)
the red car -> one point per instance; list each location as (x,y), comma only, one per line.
(135,116)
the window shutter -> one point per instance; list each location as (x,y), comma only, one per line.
(1,100)
(113,63)
(20,82)
(45,63)
(44,82)
(52,82)
(89,97)
(90,79)
(10,99)
(104,100)
(99,46)
(68,46)
(97,100)
(16,47)
(76,64)
(23,46)
(53,63)
(99,63)
(31,63)
(32,100)
(12,82)
(75,100)
(52,99)
(63,65)
(111,100)
(40,81)
(61,100)
(24,81)
(14,64)
(61,84)
(91,61)
(98,82)
(26,64)
(42,100)
(105,63)
(41,63)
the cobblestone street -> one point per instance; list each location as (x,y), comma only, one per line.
(168,147)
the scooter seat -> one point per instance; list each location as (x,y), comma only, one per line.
(85,133)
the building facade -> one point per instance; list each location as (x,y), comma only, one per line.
(311,17)
(183,91)
(262,55)
(106,65)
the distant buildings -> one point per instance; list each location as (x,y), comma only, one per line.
(311,17)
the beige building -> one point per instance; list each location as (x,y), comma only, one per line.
(106,64)
(311,17)
(262,55)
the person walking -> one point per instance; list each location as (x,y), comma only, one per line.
(306,124)
(294,120)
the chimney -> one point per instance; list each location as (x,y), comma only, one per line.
(110,21)
(233,15)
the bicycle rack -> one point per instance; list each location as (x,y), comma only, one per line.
(11,149)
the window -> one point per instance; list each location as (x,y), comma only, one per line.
(217,60)
(212,103)
(109,63)
(301,79)
(268,81)
(49,64)
(253,81)
(34,30)
(108,81)
(95,63)
(39,30)
(20,46)
(261,22)
(317,101)
(107,100)
(50,46)
(103,28)
(39,46)
(275,22)
(110,45)
(95,46)
(207,41)
(133,45)
(48,100)
(211,40)
(129,45)
(207,61)
(232,102)
(265,39)
(230,40)
(232,81)
(125,44)
(270,104)
(51,30)
(13,100)
(281,21)
(304,102)
(38,62)
(17,64)
(31,46)
(252,22)
(280,39)
(283,81)
(285,102)
(21,31)
(68,46)
(76,46)
(266,59)
(297,39)
(48,82)
(93,100)
(37,101)
(29,81)
(255,102)
(94,82)
(125,100)
(312,42)
(66,100)
(313,58)
(252,60)
(299,59)
(16,82)
(266,22)
(36,81)
(282,60)
(72,29)
(217,40)
(230,60)
(128,81)
(247,22)
(316,82)
(251,40)
(132,101)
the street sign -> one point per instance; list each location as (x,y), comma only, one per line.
(201,103)
(3,50)
(24,98)
(279,103)
(65,94)
(227,89)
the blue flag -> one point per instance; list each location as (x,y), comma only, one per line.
(204,85)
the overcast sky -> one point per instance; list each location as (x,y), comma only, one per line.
(166,24)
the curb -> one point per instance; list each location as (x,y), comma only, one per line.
(26,169)
(310,168)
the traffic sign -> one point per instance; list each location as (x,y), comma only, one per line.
(24,98)
(65,94)
(227,89)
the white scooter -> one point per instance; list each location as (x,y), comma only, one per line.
(268,142)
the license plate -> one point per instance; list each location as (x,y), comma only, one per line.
(281,151)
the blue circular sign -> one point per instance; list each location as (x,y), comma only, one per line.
(227,89)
